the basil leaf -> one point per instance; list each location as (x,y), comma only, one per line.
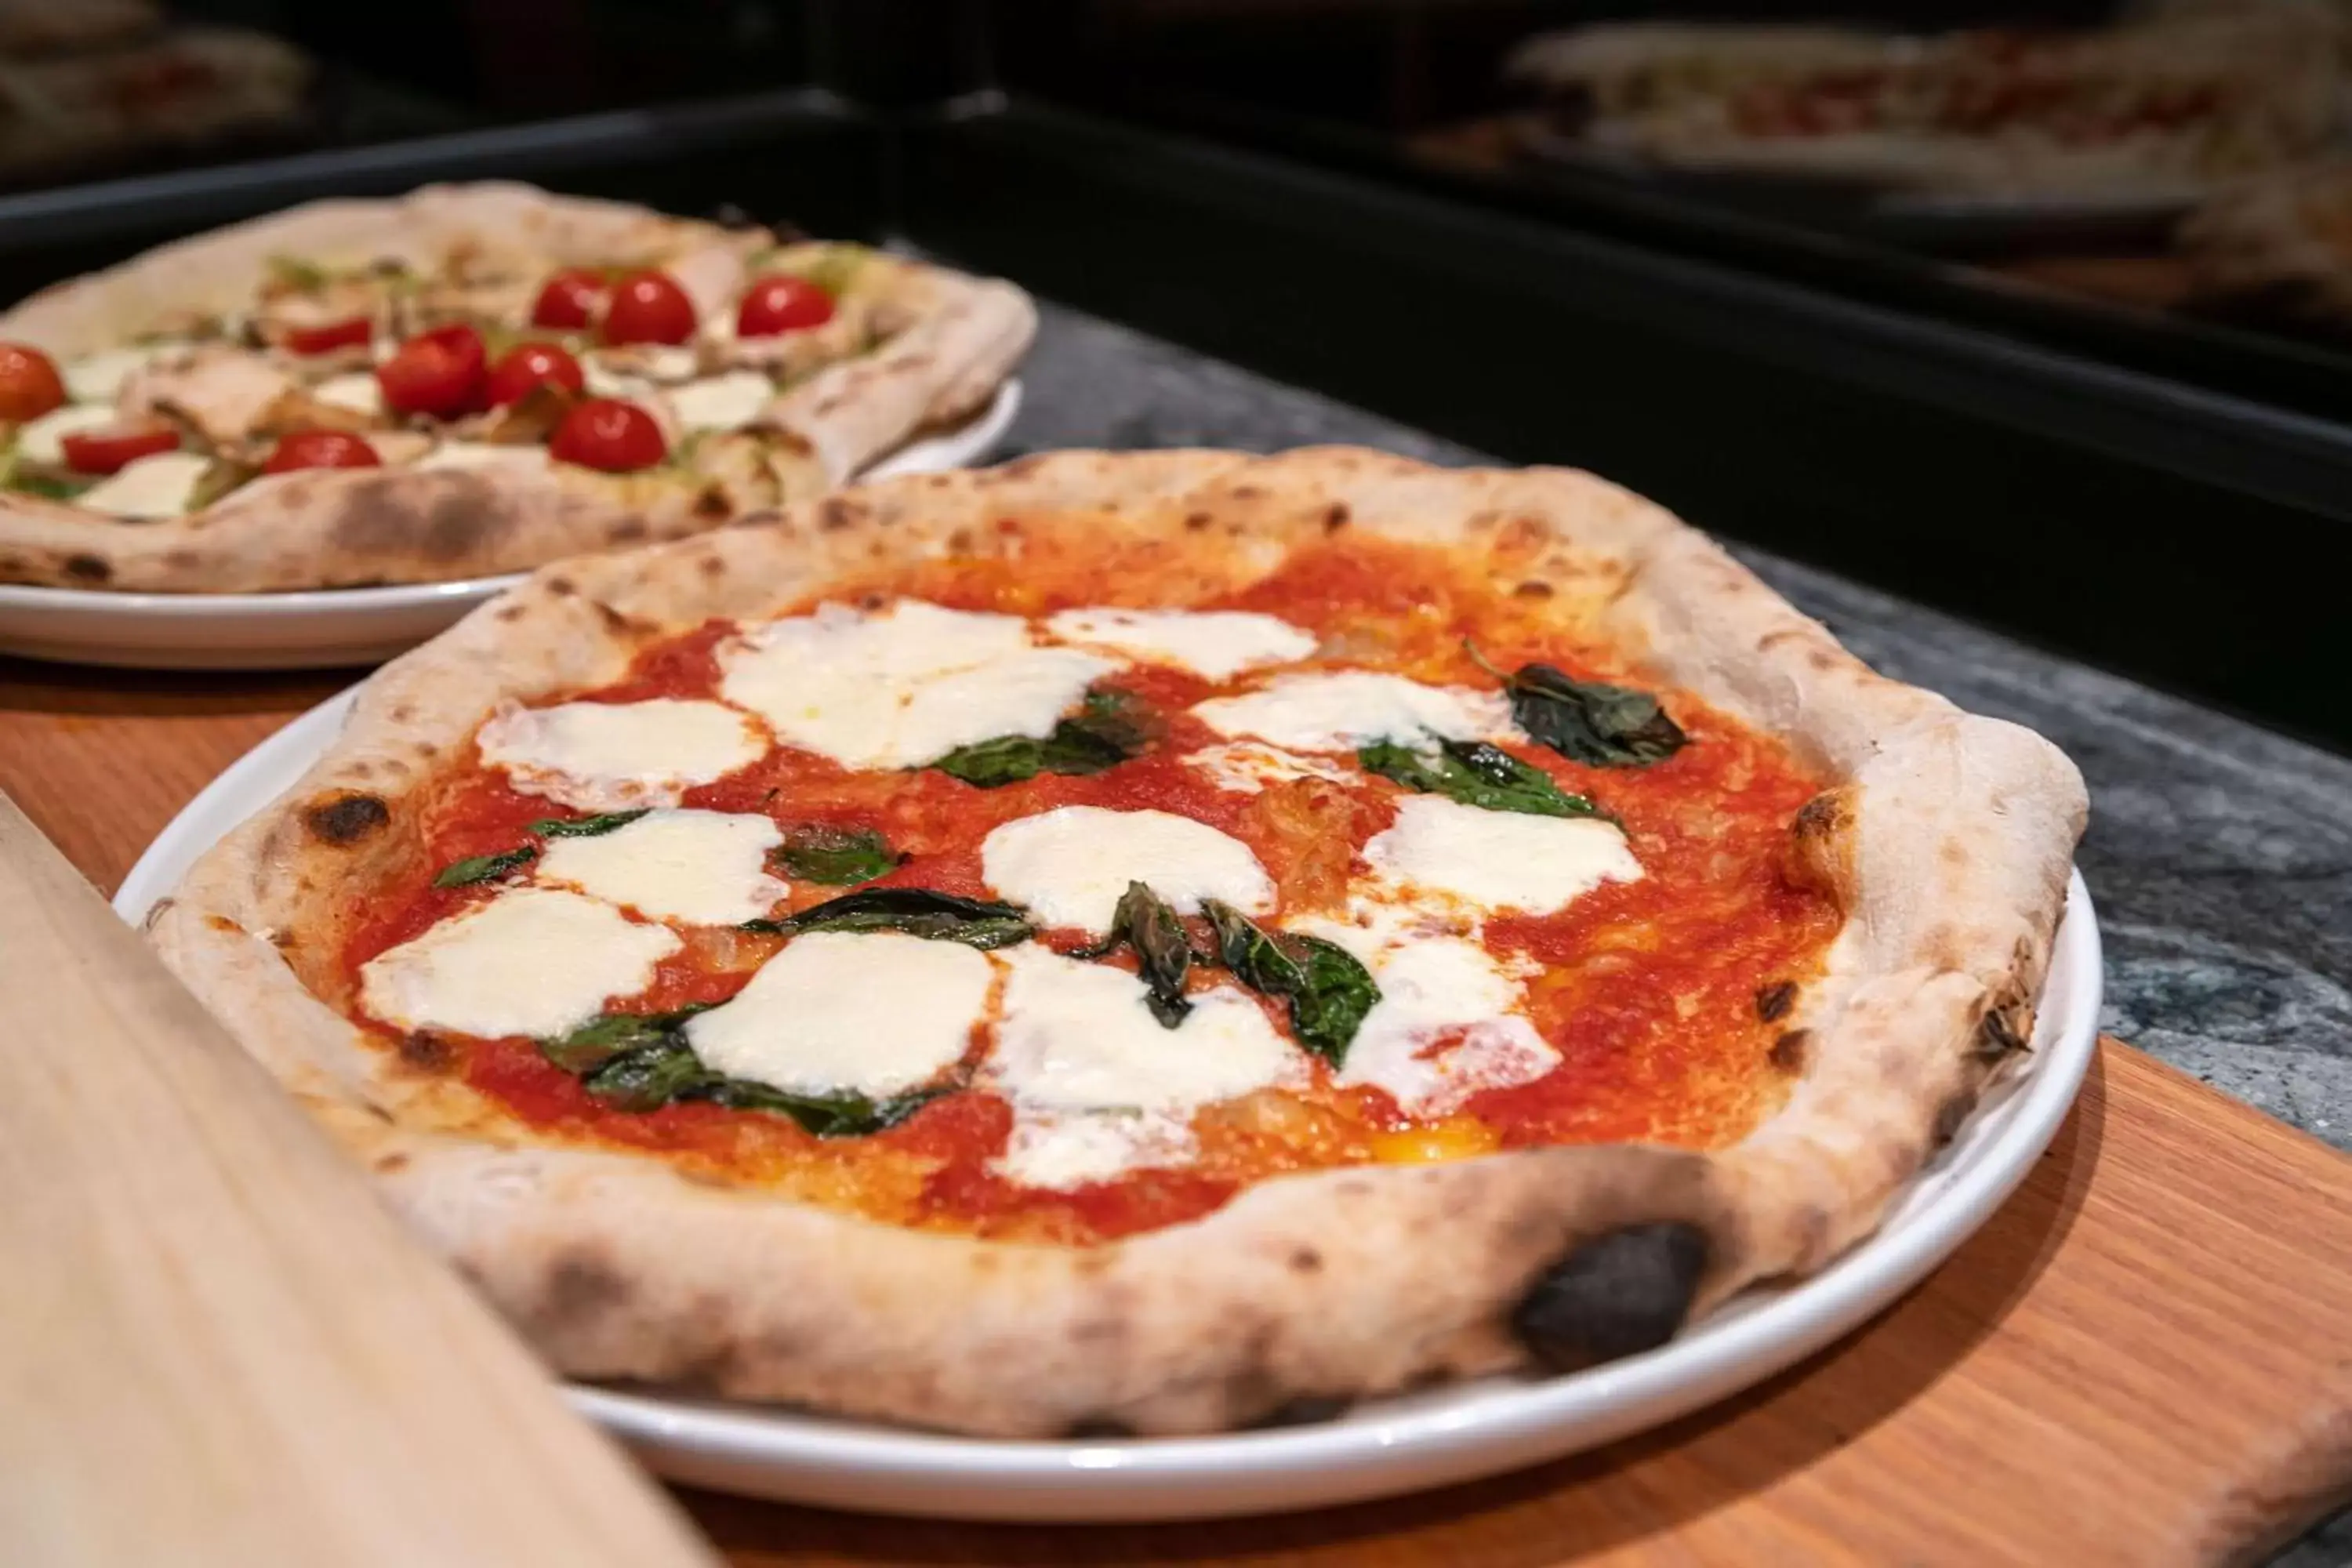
(1163,952)
(220,477)
(1109,729)
(482,868)
(821,1116)
(610,1035)
(918,911)
(1475,774)
(584,826)
(291,273)
(1589,721)
(836,857)
(1330,993)
(649,1076)
(831,268)
(50,487)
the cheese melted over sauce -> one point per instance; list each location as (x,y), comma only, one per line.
(1588,988)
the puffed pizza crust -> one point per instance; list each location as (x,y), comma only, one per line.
(340,528)
(1947,837)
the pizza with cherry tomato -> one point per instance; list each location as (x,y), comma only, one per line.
(1147,943)
(470,380)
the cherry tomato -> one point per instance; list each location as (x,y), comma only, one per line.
(569,300)
(321,449)
(648,307)
(29,384)
(437,372)
(527,365)
(107,449)
(781,303)
(605,433)
(332,336)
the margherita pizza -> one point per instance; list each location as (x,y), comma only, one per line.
(1139,940)
(474,379)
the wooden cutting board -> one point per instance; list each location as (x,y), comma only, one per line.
(2145,1359)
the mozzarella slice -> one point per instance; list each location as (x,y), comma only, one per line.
(152,487)
(99,377)
(602,381)
(1500,859)
(833,1013)
(1075,1149)
(42,440)
(1246,767)
(903,687)
(530,962)
(482,455)
(1446,1026)
(1070,865)
(1340,711)
(704,867)
(721,402)
(1218,644)
(359,392)
(609,756)
(1076,1036)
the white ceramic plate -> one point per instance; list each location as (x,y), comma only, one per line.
(320,627)
(1383,1447)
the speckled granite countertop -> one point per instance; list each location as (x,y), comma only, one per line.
(2219,855)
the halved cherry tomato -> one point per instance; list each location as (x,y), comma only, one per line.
(321,449)
(781,303)
(437,372)
(107,449)
(605,433)
(648,307)
(569,300)
(29,384)
(527,365)
(332,336)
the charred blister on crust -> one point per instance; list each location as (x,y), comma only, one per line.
(1614,1295)
(1097,1429)
(1533,588)
(347,818)
(87,569)
(426,1052)
(1773,1002)
(582,1287)
(1335,517)
(1304,1410)
(1791,1049)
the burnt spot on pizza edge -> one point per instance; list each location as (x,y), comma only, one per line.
(1306,1260)
(582,1285)
(710,505)
(560,587)
(627,530)
(86,569)
(1194,521)
(1791,1049)
(392,1163)
(835,514)
(224,925)
(347,818)
(1773,1002)
(1616,1294)
(1533,588)
(1822,817)
(1335,517)
(1098,1429)
(1304,1410)
(426,1052)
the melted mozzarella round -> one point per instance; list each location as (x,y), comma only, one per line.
(1500,859)
(153,487)
(1066,1149)
(359,392)
(609,756)
(1340,711)
(99,377)
(42,440)
(1246,767)
(835,1013)
(1070,865)
(483,455)
(721,402)
(530,962)
(708,868)
(1218,644)
(904,687)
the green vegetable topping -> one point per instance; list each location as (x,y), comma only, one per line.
(584,826)
(51,486)
(291,273)
(641,1062)
(918,911)
(1587,721)
(1328,992)
(1111,727)
(836,857)
(1163,952)
(1475,774)
(831,268)
(475,868)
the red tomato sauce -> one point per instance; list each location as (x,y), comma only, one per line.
(1648,990)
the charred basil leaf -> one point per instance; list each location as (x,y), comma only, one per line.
(1163,954)
(1474,773)
(821,1116)
(649,1076)
(482,868)
(602,1038)
(836,857)
(585,826)
(1328,992)
(918,911)
(1111,727)
(1589,721)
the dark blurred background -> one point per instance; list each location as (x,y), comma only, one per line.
(2039,311)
